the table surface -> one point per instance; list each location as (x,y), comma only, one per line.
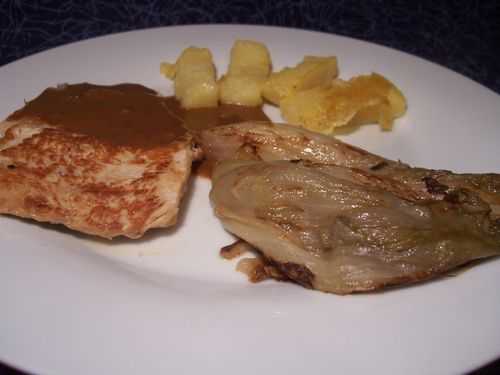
(462,36)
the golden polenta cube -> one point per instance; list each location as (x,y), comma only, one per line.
(248,70)
(194,78)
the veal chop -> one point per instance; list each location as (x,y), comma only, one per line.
(104,160)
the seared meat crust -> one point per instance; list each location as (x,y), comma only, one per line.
(50,174)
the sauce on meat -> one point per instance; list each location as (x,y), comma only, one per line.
(124,115)
(127,114)
(199,119)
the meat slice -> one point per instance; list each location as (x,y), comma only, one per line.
(50,175)
(325,228)
(91,179)
(267,141)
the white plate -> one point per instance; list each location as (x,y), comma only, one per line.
(169,304)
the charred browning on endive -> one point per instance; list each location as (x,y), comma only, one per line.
(433,186)
(379,166)
(295,272)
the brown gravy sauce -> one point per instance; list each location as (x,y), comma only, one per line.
(204,168)
(127,114)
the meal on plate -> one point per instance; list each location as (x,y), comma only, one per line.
(115,161)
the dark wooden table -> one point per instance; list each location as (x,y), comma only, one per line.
(461,35)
